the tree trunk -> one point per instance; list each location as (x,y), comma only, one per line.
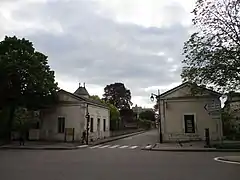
(10,122)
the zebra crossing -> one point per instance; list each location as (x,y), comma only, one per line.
(110,146)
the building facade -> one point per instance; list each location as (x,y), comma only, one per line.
(185,115)
(67,120)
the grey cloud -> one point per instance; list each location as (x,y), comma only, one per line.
(100,51)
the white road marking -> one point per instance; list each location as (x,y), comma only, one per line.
(230,162)
(104,146)
(123,147)
(114,146)
(82,146)
(148,147)
(93,147)
(133,147)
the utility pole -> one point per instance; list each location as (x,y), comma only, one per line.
(88,119)
(159,117)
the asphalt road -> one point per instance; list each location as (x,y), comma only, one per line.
(114,164)
(140,140)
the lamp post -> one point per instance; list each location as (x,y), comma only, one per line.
(157,96)
(88,119)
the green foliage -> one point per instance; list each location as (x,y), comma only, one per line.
(23,120)
(149,115)
(114,113)
(143,123)
(231,129)
(212,55)
(118,95)
(26,78)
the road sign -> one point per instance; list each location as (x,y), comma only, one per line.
(212,106)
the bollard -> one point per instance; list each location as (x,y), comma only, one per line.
(207,137)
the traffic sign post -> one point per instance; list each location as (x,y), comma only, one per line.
(214,109)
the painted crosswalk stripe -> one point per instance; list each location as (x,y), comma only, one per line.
(123,147)
(115,146)
(148,147)
(133,147)
(93,147)
(104,146)
(82,146)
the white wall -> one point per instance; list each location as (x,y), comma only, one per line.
(96,112)
(74,111)
(173,123)
(74,118)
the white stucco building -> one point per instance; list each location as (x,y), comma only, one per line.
(185,116)
(57,123)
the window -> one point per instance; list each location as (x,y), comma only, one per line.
(61,124)
(98,124)
(104,124)
(91,125)
(189,123)
(38,125)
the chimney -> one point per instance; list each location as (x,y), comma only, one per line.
(79,84)
(83,84)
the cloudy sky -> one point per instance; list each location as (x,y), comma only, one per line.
(137,42)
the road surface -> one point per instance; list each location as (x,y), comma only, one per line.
(115,164)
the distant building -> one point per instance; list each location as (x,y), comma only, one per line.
(138,109)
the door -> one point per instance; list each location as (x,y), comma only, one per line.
(189,123)
(98,128)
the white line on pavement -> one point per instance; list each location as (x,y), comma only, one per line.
(93,147)
(230,162)
(114,146)
(149,146)
(133,147)
(123,147)
(82,146)
(104,146)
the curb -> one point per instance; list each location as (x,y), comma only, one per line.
(192,150)
(38,148)
(67,148)
(117,138)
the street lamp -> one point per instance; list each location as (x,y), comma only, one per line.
(157,96)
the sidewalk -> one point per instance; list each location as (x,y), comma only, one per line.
(186,147)
(39,145)
(45,145)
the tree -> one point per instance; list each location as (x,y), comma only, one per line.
(127,115)
(24,120)
(147,115)
(26,78)
(212,54)
(118,95)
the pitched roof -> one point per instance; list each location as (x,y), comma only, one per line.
(81,91)
(188,84)
(88,100)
